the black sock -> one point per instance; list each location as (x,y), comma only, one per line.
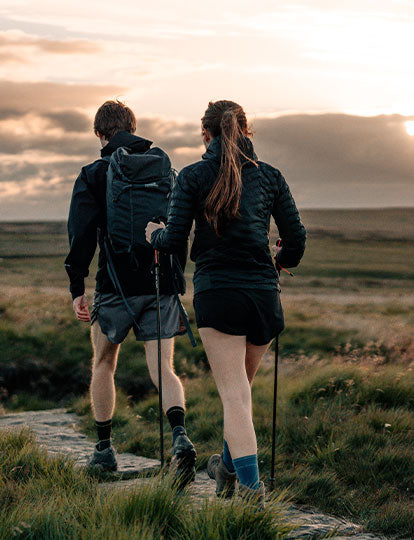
(104,434)
(176,417)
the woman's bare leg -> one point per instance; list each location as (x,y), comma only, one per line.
(254,356)
(227,357)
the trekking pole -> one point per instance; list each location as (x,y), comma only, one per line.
(272,466)
(157,288)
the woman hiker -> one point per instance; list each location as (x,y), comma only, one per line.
(232,196)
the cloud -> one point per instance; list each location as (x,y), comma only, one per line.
(69,120)
(45,96)
(12,39)
(338,148)
(329,160)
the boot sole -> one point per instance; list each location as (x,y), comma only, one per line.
(183,463)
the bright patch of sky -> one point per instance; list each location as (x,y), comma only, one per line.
(272,56)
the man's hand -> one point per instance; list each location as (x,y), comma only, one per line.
(151,227)
(80,307)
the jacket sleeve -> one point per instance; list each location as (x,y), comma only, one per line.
(180,216)
(291,230)
(83,233)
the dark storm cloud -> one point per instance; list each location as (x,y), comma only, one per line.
(339,159)
(169,134)
(350,148)
(17,143)
(21,171)
(329,160)
(69,120)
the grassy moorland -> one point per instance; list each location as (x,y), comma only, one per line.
(43,498)
(346,401)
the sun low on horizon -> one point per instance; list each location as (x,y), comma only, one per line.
(334,113)
(409,126)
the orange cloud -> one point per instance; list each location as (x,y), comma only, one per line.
(46,96)
(16,38)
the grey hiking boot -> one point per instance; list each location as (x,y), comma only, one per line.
(255,497)
(103,460)
(225,480)
(183,459)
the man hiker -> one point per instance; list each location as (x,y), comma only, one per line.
(112,197)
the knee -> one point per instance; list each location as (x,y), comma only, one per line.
(105,362)
(237,398)
(167,374)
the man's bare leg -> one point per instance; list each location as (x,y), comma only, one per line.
(172,388)
(105,357)
(184,454)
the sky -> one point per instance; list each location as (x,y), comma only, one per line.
(328,87)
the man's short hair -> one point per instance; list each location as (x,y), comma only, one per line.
(114,116)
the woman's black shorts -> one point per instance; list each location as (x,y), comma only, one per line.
(254,313)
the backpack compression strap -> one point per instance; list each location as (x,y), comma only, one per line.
(115,281)
(182,310)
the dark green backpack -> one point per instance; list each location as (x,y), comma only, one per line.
(138,189)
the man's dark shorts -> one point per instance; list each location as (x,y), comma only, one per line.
(254,313)
(115,321)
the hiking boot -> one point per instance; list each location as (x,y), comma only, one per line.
(183,459)
(103,460)
(255,497)
(225,480)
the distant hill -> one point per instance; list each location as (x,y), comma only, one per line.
(49,238)
(386,223)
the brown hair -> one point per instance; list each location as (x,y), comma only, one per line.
(114,116)
(227,119)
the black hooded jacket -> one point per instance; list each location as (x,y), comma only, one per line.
(87,227)
(240,257)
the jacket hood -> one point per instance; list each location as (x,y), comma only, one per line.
(134,143)
(213,151)
(153,166)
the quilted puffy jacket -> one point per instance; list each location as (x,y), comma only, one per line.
(240,257)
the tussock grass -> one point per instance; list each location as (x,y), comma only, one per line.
(345,437)
(50,498)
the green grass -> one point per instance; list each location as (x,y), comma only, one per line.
(345,434)
(344,442)
(49,498)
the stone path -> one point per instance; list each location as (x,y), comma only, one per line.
(56,429)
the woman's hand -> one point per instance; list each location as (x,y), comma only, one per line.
(151,227)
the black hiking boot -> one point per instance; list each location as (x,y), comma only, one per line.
(103,460)
(183,459)
(225,480)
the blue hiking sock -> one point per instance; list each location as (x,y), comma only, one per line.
(247,470)
(226,456)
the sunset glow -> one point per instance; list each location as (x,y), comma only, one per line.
(409,126)
(293,66)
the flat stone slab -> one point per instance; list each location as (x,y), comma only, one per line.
(57,431)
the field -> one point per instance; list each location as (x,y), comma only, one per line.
(345,429)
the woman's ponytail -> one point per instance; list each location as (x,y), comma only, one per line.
(227,119)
